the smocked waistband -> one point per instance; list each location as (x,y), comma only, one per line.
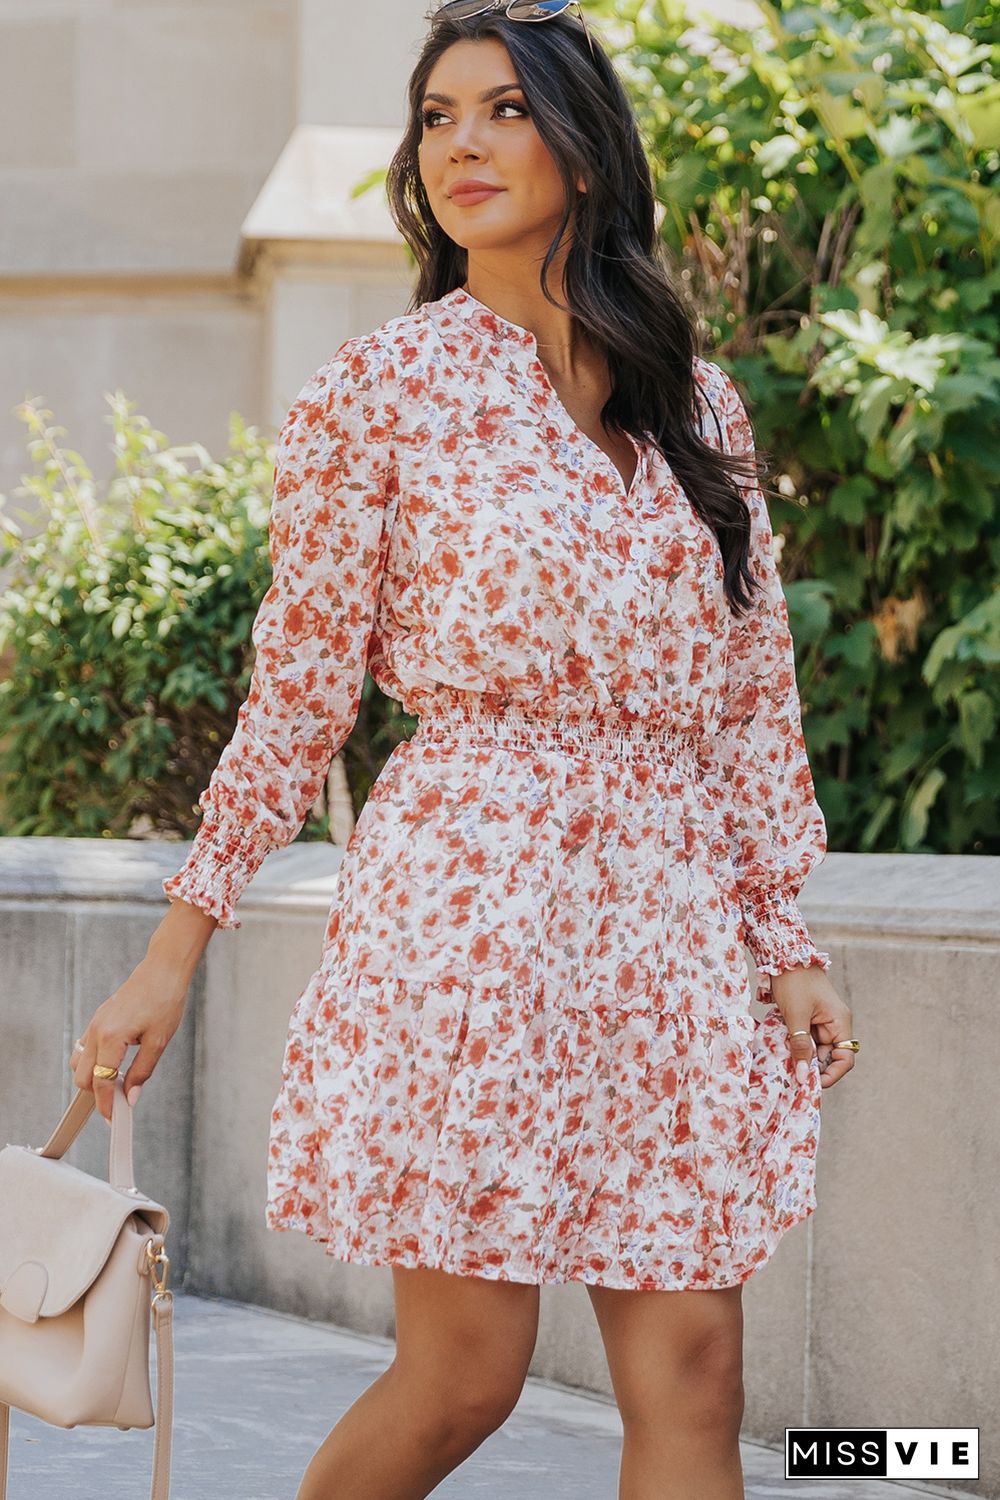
(582,734)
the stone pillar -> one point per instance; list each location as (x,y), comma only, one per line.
(322,265)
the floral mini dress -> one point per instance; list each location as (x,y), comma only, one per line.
(528,1052)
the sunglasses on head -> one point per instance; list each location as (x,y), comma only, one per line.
(514,10)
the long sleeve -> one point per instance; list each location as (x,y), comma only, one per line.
(754,761)
(328,542)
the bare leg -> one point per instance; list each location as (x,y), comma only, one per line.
(463,1346)
(676,1364)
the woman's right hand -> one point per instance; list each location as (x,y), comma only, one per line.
(146,1010)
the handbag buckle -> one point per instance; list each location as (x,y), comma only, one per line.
(158,1263)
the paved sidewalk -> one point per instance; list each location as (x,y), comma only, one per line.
(256,1393)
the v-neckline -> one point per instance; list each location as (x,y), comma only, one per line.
(577,431)
(514,334)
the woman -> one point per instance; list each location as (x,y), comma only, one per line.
(528,1054)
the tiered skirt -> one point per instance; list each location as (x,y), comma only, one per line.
(529,1052)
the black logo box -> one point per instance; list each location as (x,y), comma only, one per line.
(863,1452)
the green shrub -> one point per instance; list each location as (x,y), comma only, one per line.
(828,181)
(126,622)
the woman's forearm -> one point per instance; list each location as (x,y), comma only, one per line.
(182,937)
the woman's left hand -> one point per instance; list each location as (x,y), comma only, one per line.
(809,1003)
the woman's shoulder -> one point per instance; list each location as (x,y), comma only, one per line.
(369,362)
(711,378)
(715,391)
(359,375)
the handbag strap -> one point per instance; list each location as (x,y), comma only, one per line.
(163,1322)
(163,1311)
(120,1169)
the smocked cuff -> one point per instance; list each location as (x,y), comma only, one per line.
(220,866)
(778,939)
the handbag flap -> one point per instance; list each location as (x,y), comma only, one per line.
(58,1227)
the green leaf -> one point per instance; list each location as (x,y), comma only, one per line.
(774,156)
(849,501)
(916,815)
(977,717)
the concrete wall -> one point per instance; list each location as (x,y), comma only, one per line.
(135,137)
(882,1309)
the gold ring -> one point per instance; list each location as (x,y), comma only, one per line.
(851,1042)
(101,1070)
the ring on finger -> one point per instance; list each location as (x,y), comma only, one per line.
(102,1070)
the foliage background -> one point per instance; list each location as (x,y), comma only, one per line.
(828,189)
(127,627)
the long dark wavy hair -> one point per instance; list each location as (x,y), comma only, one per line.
(616,278)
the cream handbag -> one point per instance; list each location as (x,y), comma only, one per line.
(82,1267)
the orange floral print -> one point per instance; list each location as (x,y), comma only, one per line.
(528,1052)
